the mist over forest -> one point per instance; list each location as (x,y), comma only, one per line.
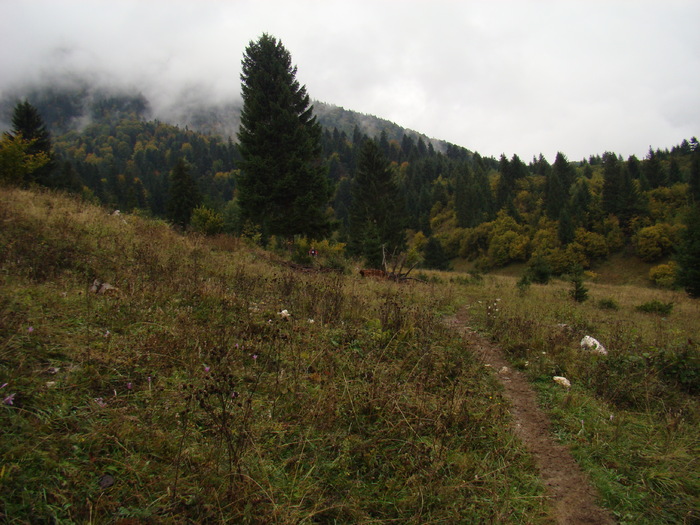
(119,144)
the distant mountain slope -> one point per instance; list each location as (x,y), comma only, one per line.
(345,120)
(74,105)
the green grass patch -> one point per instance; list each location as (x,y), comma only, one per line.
(217,386)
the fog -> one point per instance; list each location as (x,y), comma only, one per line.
(513,76)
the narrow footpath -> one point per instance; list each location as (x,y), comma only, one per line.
(572,498)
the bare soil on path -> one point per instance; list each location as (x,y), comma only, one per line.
(571,496)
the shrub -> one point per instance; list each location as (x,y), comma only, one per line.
(681,368)
(654,242)
(664,275)
(538,270)
(578,292)
(608,304)
(207,221)
(523,285)
(655,307)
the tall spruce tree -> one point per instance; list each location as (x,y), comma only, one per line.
(377,215)
(653,170)
(689,253)
(283,187)
(27,123)
(184,195)
(694,178)
(612,176)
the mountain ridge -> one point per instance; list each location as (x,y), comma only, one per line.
(71,106)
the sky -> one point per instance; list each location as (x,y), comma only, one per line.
(498,77)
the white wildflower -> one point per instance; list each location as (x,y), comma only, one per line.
(284,314)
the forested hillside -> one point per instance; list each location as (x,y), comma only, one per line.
(490,212)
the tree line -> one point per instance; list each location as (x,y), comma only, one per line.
(286,176)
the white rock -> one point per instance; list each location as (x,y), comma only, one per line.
(589,343)
(562,381)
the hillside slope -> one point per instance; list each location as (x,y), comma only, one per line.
(215,384)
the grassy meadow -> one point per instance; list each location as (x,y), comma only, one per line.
(217,384)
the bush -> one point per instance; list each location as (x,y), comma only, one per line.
(681,368)
(207,221)
(578,292)
(434,255)
(538,270)
(655,307)
(664,275)
(608,304)
(654,242)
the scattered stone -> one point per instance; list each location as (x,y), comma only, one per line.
(106,481)
(102,288)
(589,343)
(562,381)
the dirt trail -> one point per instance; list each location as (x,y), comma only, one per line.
(572,498)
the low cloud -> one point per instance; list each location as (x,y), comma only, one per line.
(508,77)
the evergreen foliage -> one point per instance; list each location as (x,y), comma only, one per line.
(184,195)
(28,124)
(694,179)
(283,186)
(579,291)
(16,161)
(434,255)
(124,160)
(473,198)
(689,254)
(378,211)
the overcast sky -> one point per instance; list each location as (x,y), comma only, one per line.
(498,76)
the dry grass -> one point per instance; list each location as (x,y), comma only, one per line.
(188,397)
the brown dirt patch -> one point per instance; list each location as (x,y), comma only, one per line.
(571,496)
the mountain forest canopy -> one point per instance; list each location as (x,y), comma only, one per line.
(288,176)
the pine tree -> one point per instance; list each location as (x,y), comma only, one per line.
(184,195)
(653,171)
(694,180)
(434,255)
(506,183)
(565,230)
(283,186)
(377,215)
(689,253)
(473,199)
(612,175)
(555,194)
(27,123)
(620,194)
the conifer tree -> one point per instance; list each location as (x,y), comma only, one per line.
(283,186)
(565,230)
(377,215)
(620,194)
(184,195)
(689,253)
(612,175)
(472,197)
(694,180)
(653,171)
(434,255)
(506,183)
(27,123)
(555,194)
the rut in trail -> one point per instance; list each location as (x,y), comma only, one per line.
(572,498)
